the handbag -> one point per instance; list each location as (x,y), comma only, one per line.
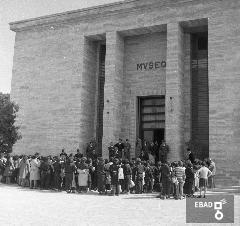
(120,188)
(132,184)
(120,174)
(174,180)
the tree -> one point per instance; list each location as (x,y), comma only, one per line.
(8,131)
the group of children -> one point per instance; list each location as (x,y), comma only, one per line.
(75,173)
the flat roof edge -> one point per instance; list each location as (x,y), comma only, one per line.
(72,14)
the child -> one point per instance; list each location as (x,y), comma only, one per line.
(83,172)
(203,173)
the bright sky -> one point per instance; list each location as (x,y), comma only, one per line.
(14,10)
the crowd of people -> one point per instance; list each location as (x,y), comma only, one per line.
(150,172)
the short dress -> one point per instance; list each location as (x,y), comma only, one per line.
(83,177)
(203,182)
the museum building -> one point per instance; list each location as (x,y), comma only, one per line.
(156,69)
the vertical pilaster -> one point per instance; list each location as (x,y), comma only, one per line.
(174,91)
(113,90)
(87,92)
(187,80)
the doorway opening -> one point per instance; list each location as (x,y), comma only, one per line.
(200,94)
(100,105)
(151,118)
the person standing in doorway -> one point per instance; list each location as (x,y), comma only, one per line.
(163,151)
(120,147)
(190,156)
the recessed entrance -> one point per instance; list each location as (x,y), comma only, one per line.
(100,105)
(151,117)
(200,94)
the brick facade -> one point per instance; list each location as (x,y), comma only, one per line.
(55,75)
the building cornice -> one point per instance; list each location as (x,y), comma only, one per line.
(80,14)
(127,6)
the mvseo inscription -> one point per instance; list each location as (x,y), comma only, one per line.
(151,65)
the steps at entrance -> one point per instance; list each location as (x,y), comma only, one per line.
(227,179)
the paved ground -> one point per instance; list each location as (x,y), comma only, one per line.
(22,206)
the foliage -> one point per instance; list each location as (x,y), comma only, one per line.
(8,131)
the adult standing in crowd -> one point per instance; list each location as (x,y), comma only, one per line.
(189,181)
(138,147)
(114,177)
(63,154)
(9,168)
(24,171)
(90,150)
(163,151)
(148,178)
(127,149)
(139,170)
(156,151)
(190,156)
(70,168)
(45,173)
(107,173)
(34,171)
(120,147)
(78,155)
(157,177)
(145,151)
(57,174)
(83,175)
(127,172)
(2,166)
(165,180)
(111,150)
(212,168)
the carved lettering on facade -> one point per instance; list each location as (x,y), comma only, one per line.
(151,65)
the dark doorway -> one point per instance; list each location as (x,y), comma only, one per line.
(100,107)
(158,135)
(200,94)
(151,118)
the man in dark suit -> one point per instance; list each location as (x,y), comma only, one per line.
(120,146)
(191,157)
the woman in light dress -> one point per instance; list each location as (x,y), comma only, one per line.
(24,170)
(83,175)
(34,172)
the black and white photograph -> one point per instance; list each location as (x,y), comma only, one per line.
(119,112)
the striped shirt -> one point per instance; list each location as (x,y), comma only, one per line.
(179,172)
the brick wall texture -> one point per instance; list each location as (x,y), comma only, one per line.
(55,75)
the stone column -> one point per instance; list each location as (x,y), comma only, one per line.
(87,92)
(174,91)
(113,90)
